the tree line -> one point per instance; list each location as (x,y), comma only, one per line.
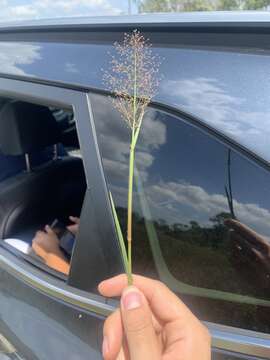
(145,6)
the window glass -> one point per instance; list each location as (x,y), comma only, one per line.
(42,183)
(201,214)
(194,67)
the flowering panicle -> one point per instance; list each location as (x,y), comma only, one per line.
(133,77)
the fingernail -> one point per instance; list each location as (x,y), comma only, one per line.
(131,299)
(100,285)
(105,346)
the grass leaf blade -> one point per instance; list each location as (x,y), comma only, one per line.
(120,235)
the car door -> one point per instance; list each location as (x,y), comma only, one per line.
(194,85)
(43,314)
(197,226)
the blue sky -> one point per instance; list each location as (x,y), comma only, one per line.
(35,9)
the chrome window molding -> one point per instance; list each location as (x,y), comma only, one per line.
(239,340)
(215,19)
(51,286)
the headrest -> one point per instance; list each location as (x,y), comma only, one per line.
(26,128)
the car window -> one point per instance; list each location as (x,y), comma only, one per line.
(42,183)
(201,214)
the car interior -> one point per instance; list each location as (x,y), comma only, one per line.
(42,172)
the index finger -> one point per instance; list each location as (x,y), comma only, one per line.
(157,294)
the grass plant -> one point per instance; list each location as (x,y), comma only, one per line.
(133,80)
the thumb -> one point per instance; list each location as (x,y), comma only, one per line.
(74,219)
(139,330)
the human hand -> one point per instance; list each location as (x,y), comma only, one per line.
(152,323)
(46,245)
(45,242)
(73,228)
(254,243)
(250,253)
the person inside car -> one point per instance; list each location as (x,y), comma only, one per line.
(46,244)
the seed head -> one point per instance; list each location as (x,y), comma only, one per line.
(133,77)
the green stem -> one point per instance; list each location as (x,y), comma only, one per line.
(130,198)
(131,171)
(129,274)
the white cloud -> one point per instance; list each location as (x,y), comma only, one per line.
(71,68)
(143,159)
(212,103)
(171,199)
(11,57)
(68,6)
(115,169)
(20,12)
(114,137)
(207,98)
(154,131)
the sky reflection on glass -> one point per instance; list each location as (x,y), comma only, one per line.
(183,170)
(184,174)
(228,90)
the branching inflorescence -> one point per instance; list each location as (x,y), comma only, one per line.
(133,80)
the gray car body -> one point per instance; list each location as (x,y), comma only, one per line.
(219,59)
